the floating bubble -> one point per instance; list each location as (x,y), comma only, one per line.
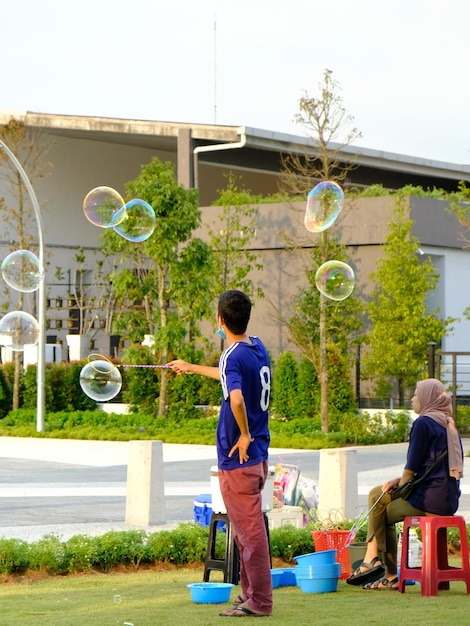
(117,599)
(100,380)
(324,204)
(135,221)
(22,271)
(335,280)
(18,329)
(101,205)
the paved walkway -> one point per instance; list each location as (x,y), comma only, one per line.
(86,455)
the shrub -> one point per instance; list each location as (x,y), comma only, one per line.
(141,386)
(6,394)
(185,544)
(49,553)
(462,419)
(119,547)
(288,542)
(308,401)
(80,552)
(284,387)
(14,557)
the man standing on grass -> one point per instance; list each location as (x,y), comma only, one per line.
(242,446)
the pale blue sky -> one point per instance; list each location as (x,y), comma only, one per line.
(403,66)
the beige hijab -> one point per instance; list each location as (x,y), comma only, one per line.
(436,403)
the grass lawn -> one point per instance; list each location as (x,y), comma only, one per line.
(149,598)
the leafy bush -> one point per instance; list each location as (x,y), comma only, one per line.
(119,547)
(6,394)
(185,544)
(80,552)
(288,542)
(14,556)
(49,553)
(187,424)
(462,419)
(285,386)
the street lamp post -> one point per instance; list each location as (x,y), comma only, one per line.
(40,372)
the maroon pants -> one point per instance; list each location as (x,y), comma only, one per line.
(241,491)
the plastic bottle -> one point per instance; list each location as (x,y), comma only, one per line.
(399,549)
(415,549)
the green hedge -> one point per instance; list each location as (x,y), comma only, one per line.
(185,544)
(193,426)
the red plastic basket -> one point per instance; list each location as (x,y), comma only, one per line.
(334,540)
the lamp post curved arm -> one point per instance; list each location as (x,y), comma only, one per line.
(40,372)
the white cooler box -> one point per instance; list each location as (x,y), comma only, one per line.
(286,516)
(218,505)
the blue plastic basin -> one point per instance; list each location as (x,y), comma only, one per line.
(210,593)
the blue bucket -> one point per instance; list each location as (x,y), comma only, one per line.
(324,557)
(210,593)
(318,585)
(276,575)
(288,577)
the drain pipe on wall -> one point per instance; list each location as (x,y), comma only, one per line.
(214,148)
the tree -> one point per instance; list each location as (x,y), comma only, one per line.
(460,207)
(330,130)
(340,323)
(166,278)
(95,300)
(401,326)
(229,239)
(235,228)
(20,226)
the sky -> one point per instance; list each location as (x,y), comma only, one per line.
(402,67)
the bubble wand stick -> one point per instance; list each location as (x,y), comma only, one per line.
(361,521)
(161,367)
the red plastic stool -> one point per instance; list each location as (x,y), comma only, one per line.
(435,571)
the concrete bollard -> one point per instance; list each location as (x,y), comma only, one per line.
(337,489)
(145,499)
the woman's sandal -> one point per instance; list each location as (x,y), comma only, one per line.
(383,584)
(238,600)
(374,570)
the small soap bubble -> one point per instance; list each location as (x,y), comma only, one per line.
(117,599)
(21,270)
(335,280)
(135,221)
(100,380)
(101,205)
(18,329)
(324,204)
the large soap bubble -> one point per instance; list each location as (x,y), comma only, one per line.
(100,206)
(100,380)
(135,221)
(324,204)
(335,280)
(22,271)
(18,329)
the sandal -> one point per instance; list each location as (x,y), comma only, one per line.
(238,600)
(374,570)
(383,584)
(241,611)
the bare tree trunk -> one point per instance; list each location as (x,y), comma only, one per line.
(163,322)
(323,367)
(16,381)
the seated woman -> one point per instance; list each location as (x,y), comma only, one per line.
(431,434)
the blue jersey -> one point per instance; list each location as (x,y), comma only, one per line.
(439,492)
(244,366)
